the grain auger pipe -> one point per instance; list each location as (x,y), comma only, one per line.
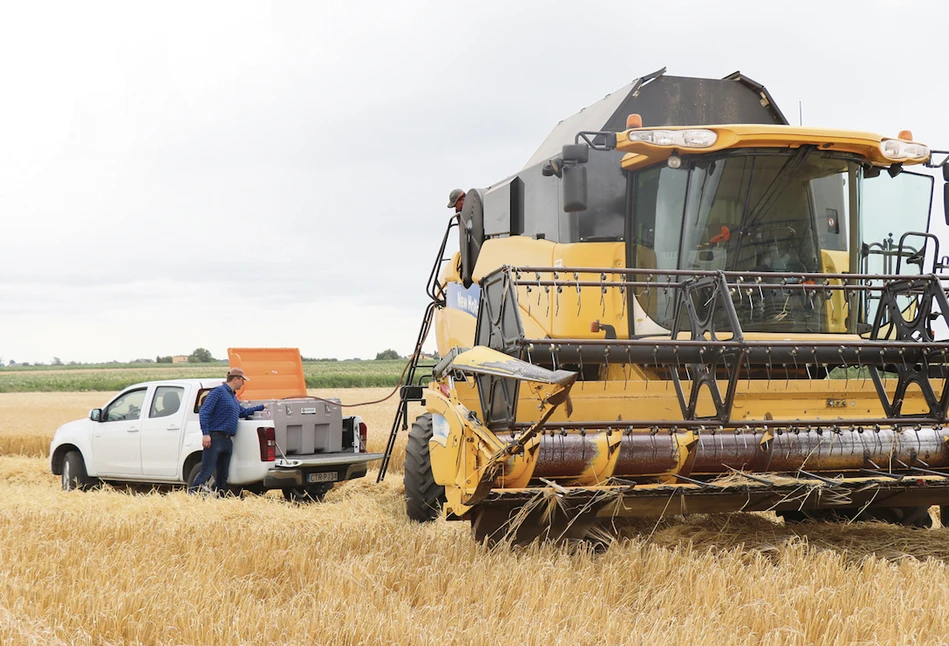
(491,456)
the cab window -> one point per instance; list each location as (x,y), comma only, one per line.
(127,406)
(199,400)
(167,401)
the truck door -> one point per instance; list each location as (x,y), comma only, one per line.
(162,429)
(116,440)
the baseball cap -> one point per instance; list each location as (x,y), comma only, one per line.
(453,196)
(237,372)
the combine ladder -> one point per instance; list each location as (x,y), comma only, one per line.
(409,390)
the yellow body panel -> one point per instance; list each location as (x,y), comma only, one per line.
(520,250)
(555,312)
(453,329)
(836,309)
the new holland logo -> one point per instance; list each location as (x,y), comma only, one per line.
(466,300)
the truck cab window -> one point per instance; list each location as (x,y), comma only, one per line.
(127,406)
(167,401)
(199,400)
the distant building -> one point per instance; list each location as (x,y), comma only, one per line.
(179,358)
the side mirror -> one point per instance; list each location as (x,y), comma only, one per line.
(945,190)
(573,184)
(945,199)
(95,414)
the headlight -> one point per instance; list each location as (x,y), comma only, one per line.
(898,149)
(676,138)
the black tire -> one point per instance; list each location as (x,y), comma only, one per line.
(307,493)
(74,473)
(193,473)
(233,490)
(423,496)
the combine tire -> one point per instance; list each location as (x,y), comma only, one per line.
(74,473)
(423,497)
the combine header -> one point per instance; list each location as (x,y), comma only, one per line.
(663,315)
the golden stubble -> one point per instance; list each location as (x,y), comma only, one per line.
(111,567)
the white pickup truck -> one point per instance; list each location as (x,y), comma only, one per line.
(150,434)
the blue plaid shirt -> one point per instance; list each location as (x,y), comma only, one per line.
(221,410)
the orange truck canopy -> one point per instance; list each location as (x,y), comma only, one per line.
(274,373)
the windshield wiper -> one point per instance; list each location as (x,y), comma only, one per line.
(781,181)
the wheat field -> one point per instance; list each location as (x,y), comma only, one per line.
(112,567)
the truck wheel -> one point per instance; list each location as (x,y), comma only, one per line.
(195,470)
(423,496)
(74,473)
(308,493)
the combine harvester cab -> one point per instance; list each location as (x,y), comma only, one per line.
(667,315)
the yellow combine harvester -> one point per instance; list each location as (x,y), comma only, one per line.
(662,315)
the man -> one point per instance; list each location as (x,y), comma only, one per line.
(218,416)
(456,199)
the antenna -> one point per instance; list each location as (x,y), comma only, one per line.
(800,113)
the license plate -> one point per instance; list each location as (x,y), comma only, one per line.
(323,476)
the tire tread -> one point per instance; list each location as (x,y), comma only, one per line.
(423,496)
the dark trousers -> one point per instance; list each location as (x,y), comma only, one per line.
(216,458)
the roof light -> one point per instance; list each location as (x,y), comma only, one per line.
(677,138)
(634,121)
(698,138)
(898,149)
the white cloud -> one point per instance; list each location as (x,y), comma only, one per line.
(168,169)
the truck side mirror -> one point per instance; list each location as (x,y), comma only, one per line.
(95,414)
(573,184)
(945,201)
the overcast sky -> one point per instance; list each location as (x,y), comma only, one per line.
(200,174)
